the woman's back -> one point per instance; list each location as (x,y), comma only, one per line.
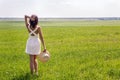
(33,32)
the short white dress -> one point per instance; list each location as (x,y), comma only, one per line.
(33,45)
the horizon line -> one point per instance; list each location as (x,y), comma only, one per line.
(63,17)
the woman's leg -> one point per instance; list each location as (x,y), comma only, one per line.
(36,64)
(32,63)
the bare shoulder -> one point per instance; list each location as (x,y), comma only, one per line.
(39,27)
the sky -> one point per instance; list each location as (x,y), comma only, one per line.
(60,8)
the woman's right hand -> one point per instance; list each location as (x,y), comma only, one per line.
(27,16)
(27,20)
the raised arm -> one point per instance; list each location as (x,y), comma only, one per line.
(27,20)
(41,38)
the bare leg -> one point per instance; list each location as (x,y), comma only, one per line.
(32,63)
(36,64)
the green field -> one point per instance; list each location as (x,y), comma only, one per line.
(81,50)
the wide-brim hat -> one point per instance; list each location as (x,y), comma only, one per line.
(44,56)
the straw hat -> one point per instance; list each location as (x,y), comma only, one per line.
(44,56)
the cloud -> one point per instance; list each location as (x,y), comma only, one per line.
(60,8)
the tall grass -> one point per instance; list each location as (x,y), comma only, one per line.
(81,50)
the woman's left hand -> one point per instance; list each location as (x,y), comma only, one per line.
(44,50)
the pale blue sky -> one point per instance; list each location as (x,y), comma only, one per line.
(60,8)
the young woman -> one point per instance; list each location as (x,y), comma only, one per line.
(33,45)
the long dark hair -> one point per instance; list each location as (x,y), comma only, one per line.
(33,23)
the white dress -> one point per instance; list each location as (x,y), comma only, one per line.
(33,45)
